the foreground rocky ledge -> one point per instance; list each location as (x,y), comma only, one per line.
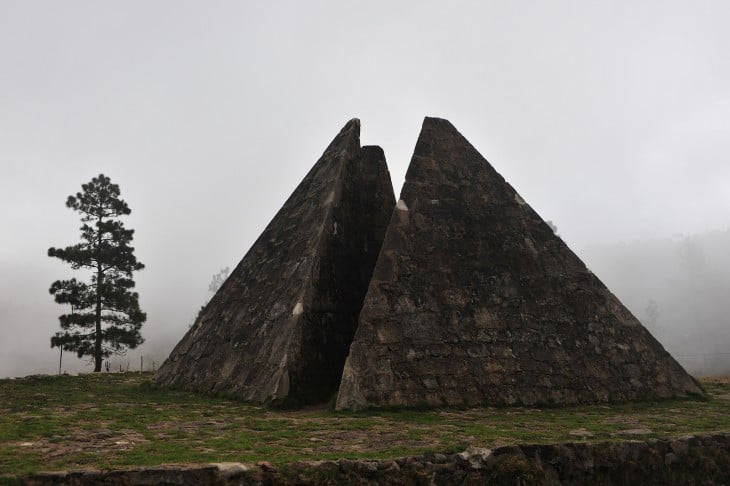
(700,459)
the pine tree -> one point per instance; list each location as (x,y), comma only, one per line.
(105,316)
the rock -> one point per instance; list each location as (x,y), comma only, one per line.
(367,467)
(346,465)
(401,461)
(413,462)
(388,466)
(440,459)
(476,457)
(679,447)
(266,466)
(231,469)
(279,328)
(495,307)
(447,467)
(325,465)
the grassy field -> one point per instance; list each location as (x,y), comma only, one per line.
(113,420)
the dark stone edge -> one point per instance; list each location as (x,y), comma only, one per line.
(696,459)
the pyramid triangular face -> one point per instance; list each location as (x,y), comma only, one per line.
(474,300)
(279,328)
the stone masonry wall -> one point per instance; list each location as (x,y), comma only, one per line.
(474,300)
(695,460)
(278,329)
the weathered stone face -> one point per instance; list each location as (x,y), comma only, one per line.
(474,300)
(279,329)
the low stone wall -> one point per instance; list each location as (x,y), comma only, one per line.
(701,459)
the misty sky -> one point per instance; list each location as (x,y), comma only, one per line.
(611,118)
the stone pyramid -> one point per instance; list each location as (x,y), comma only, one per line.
(474,300)
(279,328)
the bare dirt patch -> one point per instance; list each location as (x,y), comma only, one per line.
(102,441)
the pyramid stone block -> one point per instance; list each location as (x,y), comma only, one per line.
(474,300)
(279,328)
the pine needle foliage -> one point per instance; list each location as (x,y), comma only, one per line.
(105,316)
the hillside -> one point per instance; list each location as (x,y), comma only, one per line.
(116,420)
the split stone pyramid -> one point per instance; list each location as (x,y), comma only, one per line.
(459,294)
(279,328)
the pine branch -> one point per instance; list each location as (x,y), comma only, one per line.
(105,315)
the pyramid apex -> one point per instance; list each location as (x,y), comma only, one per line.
(475,301)
(270,335)
(435,122)
(352,124)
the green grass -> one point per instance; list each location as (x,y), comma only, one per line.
(114,420)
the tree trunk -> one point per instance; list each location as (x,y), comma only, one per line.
(97,344)
(99,277)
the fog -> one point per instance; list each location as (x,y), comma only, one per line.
(678,289)
(612,119)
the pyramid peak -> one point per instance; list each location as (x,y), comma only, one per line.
(436,122)
(278,331)
(352,124)
(475,301)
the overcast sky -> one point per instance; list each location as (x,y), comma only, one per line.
(611,118)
